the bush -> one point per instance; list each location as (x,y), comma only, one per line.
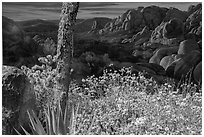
(125,106)
(44,78)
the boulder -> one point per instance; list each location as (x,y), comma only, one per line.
(171,67)
(186,64)
(187,46)
(197,73)
(160,53)
(17,98)
(174,13)
(173,29)
(166,61)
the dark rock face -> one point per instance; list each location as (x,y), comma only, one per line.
(18,49)
(197,73)
(95,27)
(17,98)
(136,19)
(195,18)
(139,38)
(193,23)
(186,64)
(193,8)
(92,24)
(173,29)
(130,20)
(153,16)
(187,46)
(169,33)
(174,13)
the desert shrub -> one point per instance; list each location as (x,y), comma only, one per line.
(44,78)
(125,106)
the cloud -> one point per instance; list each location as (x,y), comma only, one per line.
(51,10)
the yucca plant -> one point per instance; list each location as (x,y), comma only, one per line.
(56,123)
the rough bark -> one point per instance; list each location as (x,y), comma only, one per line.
(65,44)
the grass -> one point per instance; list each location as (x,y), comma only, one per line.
(118,104)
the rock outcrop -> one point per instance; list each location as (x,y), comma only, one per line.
(139,38)
(130,20)
(167,37)
(136,19)
(17,98)
(174,13)
(184,67)
(193,24)
(169,33)
(153,16)
(173,29)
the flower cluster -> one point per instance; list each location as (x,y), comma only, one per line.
(44,79)
(129,104)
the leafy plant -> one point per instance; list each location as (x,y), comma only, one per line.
(127,104)
(44,78)
(57,122)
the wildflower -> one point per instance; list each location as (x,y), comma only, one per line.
(183,104)
(140,121)
(166,129)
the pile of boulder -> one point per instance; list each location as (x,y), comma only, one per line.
(134,19)
(170,38)
(181,53)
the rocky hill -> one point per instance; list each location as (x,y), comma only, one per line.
(163,36)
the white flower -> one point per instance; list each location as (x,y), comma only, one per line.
(166,129)
(183,104)
(140,121)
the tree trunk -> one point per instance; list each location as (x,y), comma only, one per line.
(65,45)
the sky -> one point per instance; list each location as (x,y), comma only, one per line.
(19,11)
